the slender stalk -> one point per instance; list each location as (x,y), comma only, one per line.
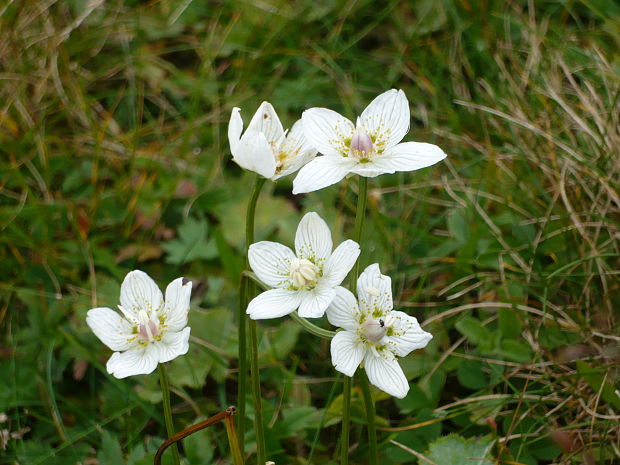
(244,292)
(165,391)
(233,441)
(312,328)
(243,364)
(360,214)
(370,417)
(248,289)
(261,454)
(346,421)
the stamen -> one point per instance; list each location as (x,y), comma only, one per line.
(303,272)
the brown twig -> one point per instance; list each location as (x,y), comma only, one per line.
(223,415)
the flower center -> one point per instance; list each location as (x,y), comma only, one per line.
(376,328)
(361,145)
(148,329)
(303,272)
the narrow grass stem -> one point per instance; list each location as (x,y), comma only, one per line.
(165,391)
(370,417)
(247,290)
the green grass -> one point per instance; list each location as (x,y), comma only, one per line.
(114,156)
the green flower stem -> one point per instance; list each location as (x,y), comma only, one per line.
(360,215)
(311,327)
(346,421)
(247,290)
(165,391)
(370,417)
(243,363)
(261,454)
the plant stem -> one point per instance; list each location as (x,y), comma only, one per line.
(165,391)
(346,421)
(370,417)
(360,214)
(312,328)
(247,290)
(261,455)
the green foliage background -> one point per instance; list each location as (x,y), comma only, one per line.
(114,156)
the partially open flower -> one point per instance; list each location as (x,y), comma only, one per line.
(374,334)
(369,148)
(265,147)
(150,331)
(306,279)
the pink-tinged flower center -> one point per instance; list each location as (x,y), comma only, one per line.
(376,329)
(303,272)
(361,145)
(148,329)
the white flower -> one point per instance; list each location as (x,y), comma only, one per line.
(265,147)
(150,331)
(373,333)
(369,148)
(306,279)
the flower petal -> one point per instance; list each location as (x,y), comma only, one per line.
(409,156)
(176,307)
(273,304)
(328,131)
(111,329)
(297,149)
(313,239)
(132,362)
(139,292)
(254,153)
(322,172)
(315,302)
(347,352)
(266,121)
(408,335)
(387,119)
(340,263)
(271,262)
(373,168)
(374,290)
(235,128)
(384,372)
(343,311)
(172,345)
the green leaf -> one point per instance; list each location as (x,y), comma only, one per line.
(110,452)
(212,329)
(509,323)
(596,380)
(458,225)
(515,351)
(474,331)
(471,375)
(454,449)
(191,243)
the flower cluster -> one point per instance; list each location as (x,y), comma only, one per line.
(151,330)
(368,148)
(308,280)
